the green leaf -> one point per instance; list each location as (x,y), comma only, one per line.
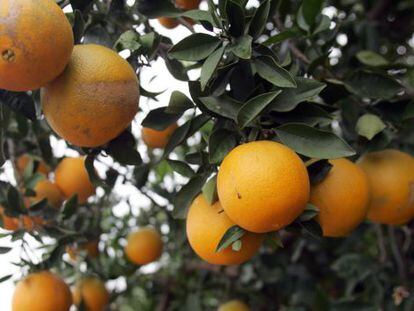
(70,207)
(290,98)
(223,106)
(269,70)
(181,168)
(157,8)
(210,66)
(371,58)
(312,142)
(369,125)
(5,250)
(124,149)
(159,119)
(235,16)
(259,20)
(210,190)
(232,235)
(372,85)
(196,47)
(318,170)
(5,278)
(199,15)
(242,47)
(129,40)
(282,36)
(310,212)
(221,142)
(252,109)
(179,103)
(93,175)
(308,12)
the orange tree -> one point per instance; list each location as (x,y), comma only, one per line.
(284,90)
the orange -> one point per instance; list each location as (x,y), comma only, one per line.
(391,179)
(91,248)
(41,291)
(263,186)
(234,305)
(168,22)
(36,42)
(8,223)
(95,98)
(207,224)
(45,189)
(157,139)
(342,198)
(144,246)
(92,293)
(187,4)
(72,178)
(24,160)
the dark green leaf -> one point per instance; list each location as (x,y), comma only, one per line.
(269,70)
(221,142)
(5,250)
(179,103)
(210,66)
(371,58)
(196,47)
(282,36)
(318,171)
(223,106)
(70,207)
(232,235)
(159,119)
(259,20)
(242,47)
(181,168)
(235,15)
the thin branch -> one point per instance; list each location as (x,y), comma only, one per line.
(396,253)
(381,244)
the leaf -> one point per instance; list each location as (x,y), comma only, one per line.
(210,190)
(179,103)
(199,15)
(184,198)
(269,70)
(310,212)
(210,66)
(157,8)
(312,142)
(371,58)
(5,250)
(158,119)
(282,36)
(181,168)
(409,111)
(196,47)
(372,85)
(290,98)
(221,142)
(252,109)
(259,20)
(235,16)
(78,26)
(232,235)
(129,40)
(124,149)
(369,125)
(242,47)
(81,5)
(308,12)
(318,171)
(223,106)
(5,278)
(179,135)
(93,175)
(70,207)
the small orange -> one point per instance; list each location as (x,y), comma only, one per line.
(46,189)
(263,186)
(207,224)
(72,178)
(9,223)
(342,198)
(36,41)
(144,246)
(234,305)
(42,291)
(168,22)
(24,160)
(94,100)
(91,248)
(391,178)
(187,4)
(157,139)
(92,293)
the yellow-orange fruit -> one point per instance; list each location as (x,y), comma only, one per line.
(168,22)
(24,160)
(187,4)
(342,198)
(391,178)
(234,305)
(42,291)
(144,246)
(46,189)
(91,248)
(9,223)
(94,99)
(92,293)
(72,178)
(263,186)
(36,42)
(157,139)
(207,224)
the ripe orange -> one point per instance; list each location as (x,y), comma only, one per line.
(144,246)
(8,223)
(36,41)
(24,160)
(391,178)
(91,248)
(92,292)
(72,178)
(95,98)
(45,189)
(187,4)
(157,139)
(234,305)
(42,291)
(206,225)
(168,22)
(263,186)
(342,198)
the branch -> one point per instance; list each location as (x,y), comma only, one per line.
(396,253)
(381,244)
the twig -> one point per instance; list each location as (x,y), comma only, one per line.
(396,253)
(186,24)
(381,244)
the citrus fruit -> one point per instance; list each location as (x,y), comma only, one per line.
(92,293)
(263,186)
(95,98)
(157,139)
(38,166)
(36,41)
(207,224)
(168,22)
(91,248)
(46,189)
(144,246)
(187,4)
(234,305)
(391,179)
(8,223)
(342,198)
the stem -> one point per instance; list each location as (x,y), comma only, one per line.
(381,243)
(396,253)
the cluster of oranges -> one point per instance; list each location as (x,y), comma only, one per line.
(264,186)
(186,5)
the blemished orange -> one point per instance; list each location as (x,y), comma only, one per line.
(72,178)
(92,293)
(207,224)
(8,223)
(95,98)
(342,198)
(144,246)
(263,186)
(157,139)
(187,4)
(24,160)
(91,248)
(168,22)
(45,189)
(42,291)
(391,179)
(234,305)
(28,60)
